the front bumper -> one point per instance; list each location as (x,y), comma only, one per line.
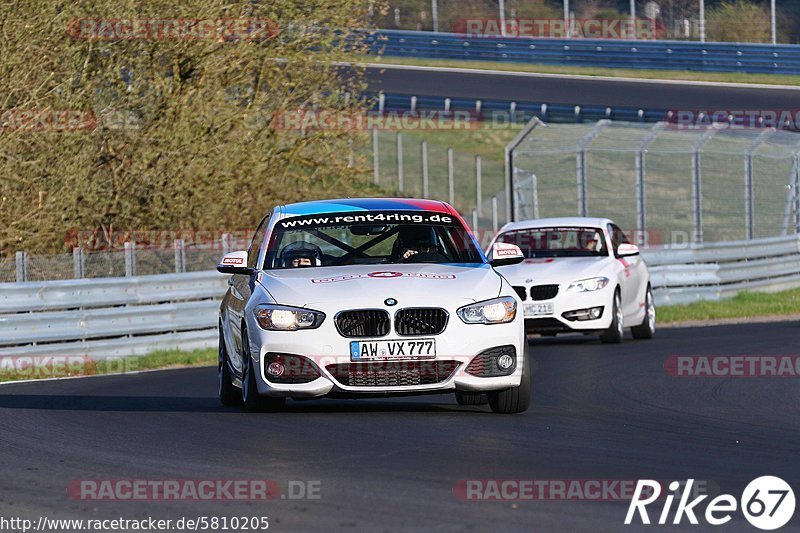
(566,302)
(458,345)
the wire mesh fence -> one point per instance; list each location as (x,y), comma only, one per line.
(133,260)
(671,185)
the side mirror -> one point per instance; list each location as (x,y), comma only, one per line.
(504,254)
(234,263)
(627,250)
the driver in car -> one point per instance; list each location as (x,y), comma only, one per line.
(301,254)
(412,240)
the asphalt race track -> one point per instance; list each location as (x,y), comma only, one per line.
(587,91)
(599,412)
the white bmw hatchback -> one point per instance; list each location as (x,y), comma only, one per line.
(370,297)
(580,275)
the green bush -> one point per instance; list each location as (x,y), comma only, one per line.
(183,137)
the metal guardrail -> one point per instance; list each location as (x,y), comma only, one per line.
(606,53)
(717,271)
(109,317)
(112,317)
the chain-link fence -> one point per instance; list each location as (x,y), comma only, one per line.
(672,185)
(593,19)
(416,166)
(133,260)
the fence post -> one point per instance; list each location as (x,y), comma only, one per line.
(376,176)
(641,193)
(451,186)
(535,193)
(494,214)
(227,243)
(749,182)
(580,163)
(400,178)
(78,264)
(22,266)
(478,184)
(179,246)
(425,183)
(475,221)
(130,259)
(697,182)
(435,14)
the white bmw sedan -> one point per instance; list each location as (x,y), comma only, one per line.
(370,297)
(580,275)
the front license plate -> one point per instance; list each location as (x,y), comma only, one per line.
(538,309)
(393,350)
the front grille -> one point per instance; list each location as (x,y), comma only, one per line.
(392,373)
(543,292)
(420,321)
(484,365)
(522,293)
(363,323)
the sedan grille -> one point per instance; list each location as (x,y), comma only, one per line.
(543,292)
(363,323)
(392,373)
(522,293)
(420,321)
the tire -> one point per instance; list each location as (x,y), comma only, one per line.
(647,329)
(615,332)
(252,400)
(515,399)
(228,394)
(471,398)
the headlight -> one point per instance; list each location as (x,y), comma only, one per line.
(282,318)
(496,311)
(588,285)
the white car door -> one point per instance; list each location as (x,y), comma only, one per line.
(632,277)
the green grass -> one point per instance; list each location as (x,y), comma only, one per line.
(744,305)
(80,367)
(724,77)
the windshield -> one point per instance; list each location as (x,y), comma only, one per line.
(374,238)
(557,242)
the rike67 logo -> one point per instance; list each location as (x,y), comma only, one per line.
(767,503)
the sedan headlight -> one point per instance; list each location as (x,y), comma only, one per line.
(282,318)
(588,285)
(495,311)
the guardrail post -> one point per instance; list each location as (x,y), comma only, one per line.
(478,184)
(376,176)
(78,263)
(451,181)
(425,182)
(130,259)
(179,246)
(400,177)
(22,266)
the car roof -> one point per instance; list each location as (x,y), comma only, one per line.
(364,204)
(584,222)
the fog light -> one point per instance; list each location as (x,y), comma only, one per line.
(276,369)
(504,362)
(592,313)
(595,312)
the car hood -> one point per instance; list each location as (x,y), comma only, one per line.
(554,270)
(370,285)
